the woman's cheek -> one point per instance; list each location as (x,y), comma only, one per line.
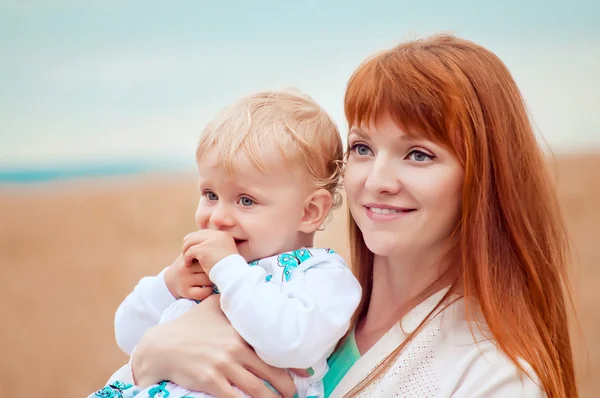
(352,179)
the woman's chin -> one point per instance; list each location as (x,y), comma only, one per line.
(380,246)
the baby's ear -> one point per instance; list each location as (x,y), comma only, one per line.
(316,209)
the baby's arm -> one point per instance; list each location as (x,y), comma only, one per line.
(144,307)
(294,324)
(141,310)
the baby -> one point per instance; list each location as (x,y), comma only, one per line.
(269,174)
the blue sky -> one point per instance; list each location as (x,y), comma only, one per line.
(98,81)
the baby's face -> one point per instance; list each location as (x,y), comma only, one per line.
(261,210)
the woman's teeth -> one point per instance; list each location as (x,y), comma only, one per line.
(384,211)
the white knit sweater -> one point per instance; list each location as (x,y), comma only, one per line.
(445,359)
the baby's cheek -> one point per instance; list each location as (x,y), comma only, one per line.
(201,219)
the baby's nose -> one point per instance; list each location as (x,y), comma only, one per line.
(221,218)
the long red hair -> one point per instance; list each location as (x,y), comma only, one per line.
(512,241)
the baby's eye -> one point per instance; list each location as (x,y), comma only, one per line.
(361,150)
(211,196)
(246,201)
(419,156)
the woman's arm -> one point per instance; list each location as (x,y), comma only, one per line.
(201,351)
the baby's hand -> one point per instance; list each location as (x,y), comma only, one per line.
(189,282)
(208,246)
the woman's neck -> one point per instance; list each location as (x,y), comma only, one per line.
(399,285)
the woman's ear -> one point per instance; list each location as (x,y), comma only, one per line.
(316,209)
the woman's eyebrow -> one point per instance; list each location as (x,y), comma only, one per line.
(359,132)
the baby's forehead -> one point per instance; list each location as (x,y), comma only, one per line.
(240,161)
(268,166)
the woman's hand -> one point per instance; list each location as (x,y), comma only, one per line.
(201,351)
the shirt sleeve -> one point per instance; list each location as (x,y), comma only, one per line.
(124,374)
(294,324)
(141,310)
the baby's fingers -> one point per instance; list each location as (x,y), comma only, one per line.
(189,241)
(194,238)
(191,254)
(199,292)
(200,279)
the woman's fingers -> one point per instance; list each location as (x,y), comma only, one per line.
(250,384)
(215,384)
(278,378)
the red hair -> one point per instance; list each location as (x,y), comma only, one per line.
(512,240)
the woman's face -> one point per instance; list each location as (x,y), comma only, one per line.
(404,193)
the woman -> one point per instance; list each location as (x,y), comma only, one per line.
(456,237)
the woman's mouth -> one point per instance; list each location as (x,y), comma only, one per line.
(385,212)
(388,211)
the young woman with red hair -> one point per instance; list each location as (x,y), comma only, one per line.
(456,237)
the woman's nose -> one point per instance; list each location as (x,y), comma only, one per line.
(384,177)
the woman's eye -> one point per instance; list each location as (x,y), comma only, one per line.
(246,201)
(211,196)
(419,156)
(361,150)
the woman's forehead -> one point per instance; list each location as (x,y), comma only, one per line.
(383,126)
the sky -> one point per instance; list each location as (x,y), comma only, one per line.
(107,81)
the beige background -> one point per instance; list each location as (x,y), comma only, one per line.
(70,252)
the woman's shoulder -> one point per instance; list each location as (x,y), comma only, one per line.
(469,361)
(449,357)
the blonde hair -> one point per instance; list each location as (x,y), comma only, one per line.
(289,122)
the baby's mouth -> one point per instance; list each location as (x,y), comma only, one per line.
(239,241)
